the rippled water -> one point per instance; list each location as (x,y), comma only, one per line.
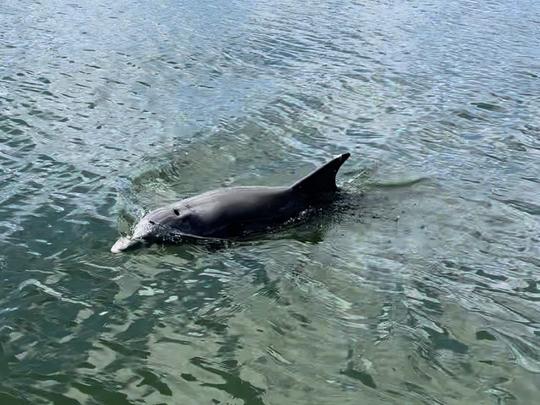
(421,285)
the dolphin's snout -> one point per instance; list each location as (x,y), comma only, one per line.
(125,243)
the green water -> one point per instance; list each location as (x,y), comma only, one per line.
(419,286)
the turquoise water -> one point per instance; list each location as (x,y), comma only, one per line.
(419,286)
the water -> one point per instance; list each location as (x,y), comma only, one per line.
(420,286)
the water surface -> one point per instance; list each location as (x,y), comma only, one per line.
(420,286)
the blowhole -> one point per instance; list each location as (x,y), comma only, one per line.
(176,212)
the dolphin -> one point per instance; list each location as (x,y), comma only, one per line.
(234,212)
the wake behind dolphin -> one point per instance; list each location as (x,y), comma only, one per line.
(235,212)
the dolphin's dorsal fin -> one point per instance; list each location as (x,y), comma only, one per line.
(322,179)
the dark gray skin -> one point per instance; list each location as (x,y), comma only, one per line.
(233,213)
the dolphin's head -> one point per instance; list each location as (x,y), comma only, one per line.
(126,243)
(142,235)
(161,225)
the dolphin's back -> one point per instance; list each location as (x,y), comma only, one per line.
(236,211)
